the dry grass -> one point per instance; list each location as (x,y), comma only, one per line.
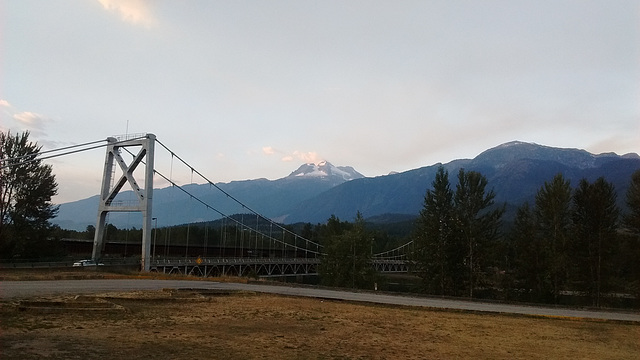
(93,273)
(172,325)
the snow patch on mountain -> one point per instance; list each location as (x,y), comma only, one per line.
(325,169)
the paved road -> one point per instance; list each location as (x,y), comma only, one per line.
(24,289)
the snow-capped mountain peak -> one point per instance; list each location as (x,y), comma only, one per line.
(325,169)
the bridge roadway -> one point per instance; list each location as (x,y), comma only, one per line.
(24,289)
(261,266)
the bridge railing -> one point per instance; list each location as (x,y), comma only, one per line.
(235,260)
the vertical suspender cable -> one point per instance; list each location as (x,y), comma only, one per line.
(242,234)
(186,247)
(235,243)
(186,252)
(223,236)
(206,235)
(168,237)
(271,239)
(256,251)
(126,235)
(262,245)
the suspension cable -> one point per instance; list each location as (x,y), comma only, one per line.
(244,206)
(53,150)
(39,158)
(237,223)
(6,163)
(389,254)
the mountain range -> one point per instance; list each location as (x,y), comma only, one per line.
(312,193)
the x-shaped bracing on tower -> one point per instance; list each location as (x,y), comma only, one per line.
(145,156)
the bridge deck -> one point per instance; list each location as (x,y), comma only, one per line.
(262,267)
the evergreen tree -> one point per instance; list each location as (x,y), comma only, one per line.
(454,232)
(629,253)
(347,262)
(333,227)
(531,257)
(307,231)
(632,219)
(476,226)
(595,218)
(433,238)
(553,215)
(26,188)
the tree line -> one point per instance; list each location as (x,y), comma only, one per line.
(569,242)
(454,234)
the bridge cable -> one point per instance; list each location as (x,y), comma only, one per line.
(222,236)
(219,188)
(295,247)
(54,150)
(171,201)
(205,240)
(186,254)
(235,243)
(270,237)
(390,254)
(38,157)
(226,193)
(242,235)
(256,244)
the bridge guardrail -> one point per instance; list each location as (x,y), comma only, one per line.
(222,261)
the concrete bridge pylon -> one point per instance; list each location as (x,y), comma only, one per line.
(145,145)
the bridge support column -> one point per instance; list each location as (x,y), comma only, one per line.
(145,145)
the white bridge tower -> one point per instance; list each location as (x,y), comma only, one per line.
(144,144)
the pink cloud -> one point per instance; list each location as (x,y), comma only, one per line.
(308,157)
(268,150)
(33,122)
(29,118)
(136,12)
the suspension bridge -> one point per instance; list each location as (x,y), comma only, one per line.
(248,243)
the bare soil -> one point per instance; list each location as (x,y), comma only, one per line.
(243,325)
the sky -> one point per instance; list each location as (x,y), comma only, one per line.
(253,89)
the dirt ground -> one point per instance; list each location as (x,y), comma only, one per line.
(241,325)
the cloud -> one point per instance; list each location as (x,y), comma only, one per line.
(29,119)
(33,122)
(268,150)
(136,12)
(624,143)
(308,157)
(13,119)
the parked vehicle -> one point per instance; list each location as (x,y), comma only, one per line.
(83,263)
